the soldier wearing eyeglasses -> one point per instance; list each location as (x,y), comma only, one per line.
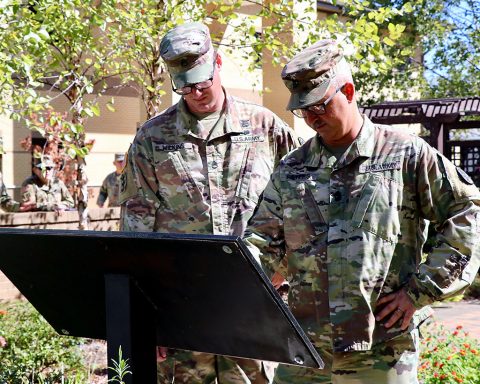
(343,219)
(200,167)
(43,191)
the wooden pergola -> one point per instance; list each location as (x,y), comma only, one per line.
(439,117)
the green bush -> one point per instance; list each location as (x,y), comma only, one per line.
(449,357)
(32,352)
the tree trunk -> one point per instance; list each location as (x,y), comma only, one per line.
(81,190)
(82,194)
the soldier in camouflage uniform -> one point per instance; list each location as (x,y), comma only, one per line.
(200,167)
(6,202)
(111,185)
(343,220)
(43,191)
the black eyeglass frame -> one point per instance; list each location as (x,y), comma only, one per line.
(316,109)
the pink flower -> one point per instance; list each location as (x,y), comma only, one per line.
(3,342)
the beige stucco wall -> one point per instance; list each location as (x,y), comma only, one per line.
(112,131)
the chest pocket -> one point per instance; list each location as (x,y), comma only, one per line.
(377,208)
(176,183)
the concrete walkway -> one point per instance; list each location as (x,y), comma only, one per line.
(464,313)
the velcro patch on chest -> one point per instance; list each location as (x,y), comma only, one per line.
(170,147)
(245,123)
(248,139)
(299,176)
(380,166)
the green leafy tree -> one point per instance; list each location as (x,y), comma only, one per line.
(76,49)
(53,49)
(369,32)
(442,47)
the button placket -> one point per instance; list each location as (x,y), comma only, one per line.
(214,170)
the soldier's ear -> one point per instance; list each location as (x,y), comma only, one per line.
(218,61)
(349,91)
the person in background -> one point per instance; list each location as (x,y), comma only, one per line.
(342,220)
(42,191)
(200,167)
(111,184)
(6,202)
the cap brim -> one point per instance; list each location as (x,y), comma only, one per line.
(308,97)
(194,75)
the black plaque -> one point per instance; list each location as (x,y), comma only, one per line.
(195,292)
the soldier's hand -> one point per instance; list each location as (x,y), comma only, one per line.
(161,354)
(25,207)
(394,307)
(60,207)
(277,280)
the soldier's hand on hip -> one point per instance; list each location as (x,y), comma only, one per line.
(161,354)
(396,306)
(277,280)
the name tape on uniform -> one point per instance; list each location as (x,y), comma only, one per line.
(248,139)
(172,147)
(380,167)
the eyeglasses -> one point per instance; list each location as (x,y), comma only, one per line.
(189,88)
(199,86)
(317,109)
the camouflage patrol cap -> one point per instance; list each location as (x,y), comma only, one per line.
(120,156)
(188,52)
(309,74)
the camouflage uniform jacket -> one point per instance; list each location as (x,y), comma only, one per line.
(48,196)
(6,202)
(345,232)
(176,182)
(110,189)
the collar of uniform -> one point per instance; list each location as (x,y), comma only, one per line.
(364,142)
(232,115)
(318,155)
(187,124)
(362,146)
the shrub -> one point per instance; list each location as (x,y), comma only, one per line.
(449,357)
(32,352)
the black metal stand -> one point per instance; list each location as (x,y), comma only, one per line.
(131,327)
(137,290)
